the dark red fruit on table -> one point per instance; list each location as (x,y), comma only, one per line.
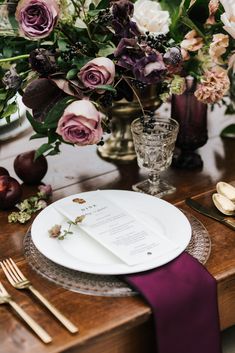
(4,171)
(29,170)
(10,192)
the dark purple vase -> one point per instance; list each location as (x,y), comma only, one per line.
(192,118)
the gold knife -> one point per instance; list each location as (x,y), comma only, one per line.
(210,213)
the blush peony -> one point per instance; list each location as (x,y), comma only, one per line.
(228,17)
(149,17)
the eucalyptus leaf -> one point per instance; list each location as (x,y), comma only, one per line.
(3,96)
(47,42)
(80,23)
(7,52)
(71,74)
(103,4)
(2,104)
(189,23)
(42,149)
(106,49)
(229,131)
(10,109)
(81,61)
(106,88)
(62,44)
(13,22)
(36,125)
(91,6)
(93,13)
(37,136)
(52,153)
(52,136)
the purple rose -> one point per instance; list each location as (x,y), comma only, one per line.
(80,124)
(43,61)
(122,10)
(36,18)
(128,52)
(127,30)
(99,71)
(150,69)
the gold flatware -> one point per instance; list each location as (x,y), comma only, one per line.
(5,298)
(19,281)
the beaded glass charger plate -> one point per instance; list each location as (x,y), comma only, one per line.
(105,285)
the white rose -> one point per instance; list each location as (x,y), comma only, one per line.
(228,17)
(149,16)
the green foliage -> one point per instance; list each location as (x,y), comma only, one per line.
(36,125)
(10,109)
(229,131)
(62,44)
(48,127)
(56,112)
(103,4)
(106,49)
(80,61)
(71,74)
(77,39)
(106,88)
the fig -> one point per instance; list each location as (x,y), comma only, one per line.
(30,171)
(10,192)
(4,171)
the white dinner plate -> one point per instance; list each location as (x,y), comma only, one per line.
(80,252)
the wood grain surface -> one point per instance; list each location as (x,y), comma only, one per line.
(117,325)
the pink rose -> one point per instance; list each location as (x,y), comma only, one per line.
(37,18)
(80,124)
(45,191)
(99,71)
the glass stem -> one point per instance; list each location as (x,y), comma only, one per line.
(154,178)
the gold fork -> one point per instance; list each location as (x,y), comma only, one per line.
(5,298)
(19,281)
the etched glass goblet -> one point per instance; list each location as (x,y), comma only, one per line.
(154,145)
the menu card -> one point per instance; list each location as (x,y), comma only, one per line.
(121,232)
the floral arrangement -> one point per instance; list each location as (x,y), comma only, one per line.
(71,60)
(208,47)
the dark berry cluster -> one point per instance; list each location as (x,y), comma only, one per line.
(138,84)
(106,100)
(73,51)
(105,16)
(148,122)
(101,142)
(66,56)
(155,42)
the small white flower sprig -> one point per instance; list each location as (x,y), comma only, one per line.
(31,205)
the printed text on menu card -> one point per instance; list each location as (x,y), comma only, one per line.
(117,230)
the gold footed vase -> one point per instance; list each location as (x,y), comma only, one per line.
(119,147)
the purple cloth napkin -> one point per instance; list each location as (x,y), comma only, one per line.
(183,298)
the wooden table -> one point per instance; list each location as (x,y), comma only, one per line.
(110,324)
